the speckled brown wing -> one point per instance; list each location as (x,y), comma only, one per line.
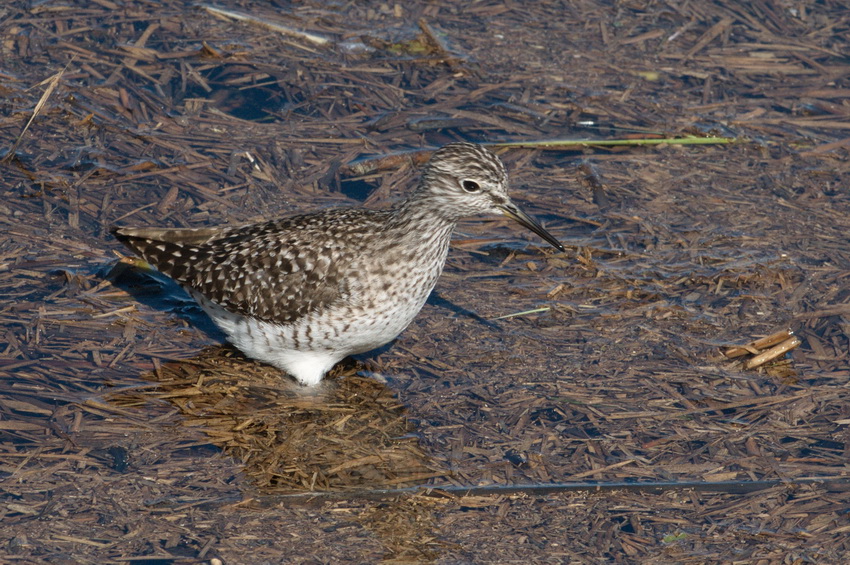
(274,271)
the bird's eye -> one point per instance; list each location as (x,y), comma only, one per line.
(470,185)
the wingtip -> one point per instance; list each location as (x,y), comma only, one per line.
(118,233)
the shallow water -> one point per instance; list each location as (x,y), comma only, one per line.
(128,430)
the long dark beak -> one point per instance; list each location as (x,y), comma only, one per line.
(511,211)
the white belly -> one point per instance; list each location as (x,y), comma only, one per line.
(312,345)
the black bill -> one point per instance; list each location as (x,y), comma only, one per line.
(511,211)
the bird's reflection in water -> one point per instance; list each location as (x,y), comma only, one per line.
(350,433)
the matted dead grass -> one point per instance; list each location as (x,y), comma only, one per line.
(128,435)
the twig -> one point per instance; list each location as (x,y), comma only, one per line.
(654,487)
(564,143)
(514,315)
(756,346)
(311,37)
(773,352)
(52,82)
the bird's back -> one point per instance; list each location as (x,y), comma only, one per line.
(276,271)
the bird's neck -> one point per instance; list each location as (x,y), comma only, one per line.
(420,218)
(422,206)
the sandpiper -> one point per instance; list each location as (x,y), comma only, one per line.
(303,292)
